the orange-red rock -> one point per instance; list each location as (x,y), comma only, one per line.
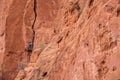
(72,39)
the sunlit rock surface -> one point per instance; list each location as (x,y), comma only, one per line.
(71,39)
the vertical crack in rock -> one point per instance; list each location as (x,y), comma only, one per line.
(84,77)
(35,14)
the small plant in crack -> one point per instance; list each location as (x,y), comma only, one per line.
(30,47)
(21,66)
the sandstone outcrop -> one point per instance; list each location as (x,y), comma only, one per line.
(72,39)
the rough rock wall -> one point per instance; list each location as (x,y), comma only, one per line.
(3,15)
(16,29)
(85,44)
(72,39)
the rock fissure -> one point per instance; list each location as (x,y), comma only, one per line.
(35,16)
(60,40)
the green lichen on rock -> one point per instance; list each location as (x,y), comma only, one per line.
(42,46)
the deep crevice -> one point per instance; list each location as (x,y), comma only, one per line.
(91,3)
(44,74)
(35,14)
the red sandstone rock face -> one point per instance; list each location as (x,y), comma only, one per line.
(73,39)
(16,36)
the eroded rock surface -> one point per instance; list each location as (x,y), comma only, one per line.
(72,39)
